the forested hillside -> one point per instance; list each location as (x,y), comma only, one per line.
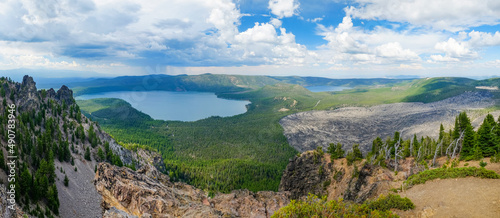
(40,130)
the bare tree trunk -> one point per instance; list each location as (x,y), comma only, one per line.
(387,153)
(460,139)
(411,147)
(397,152)
(448,149)
(419,153)
(435,154)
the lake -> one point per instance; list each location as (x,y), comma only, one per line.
(182,106)
(326,88)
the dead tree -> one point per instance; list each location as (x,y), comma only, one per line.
(452,148)
(387,152)
(419,153)
(397,152)
(448,149)
(411,147)
(460,139)
(435,154)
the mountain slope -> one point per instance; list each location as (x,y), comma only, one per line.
(54,141)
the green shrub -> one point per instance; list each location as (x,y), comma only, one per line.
(354,155)
(326,184)
(441,173)
(315,207)
(335,151)
(66,181)
(495,158)
(482,164)
(384,203)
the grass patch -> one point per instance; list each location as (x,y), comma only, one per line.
(446,173)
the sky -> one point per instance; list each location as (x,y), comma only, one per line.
(328,38)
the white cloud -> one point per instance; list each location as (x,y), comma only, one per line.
(439,14)
(260,33)
(315,20)
(380,46)
(440,58)
(484,39)
(263,42)
(283,8)
(225,16)
(413,66)
(455,50)
(394,51)
(494,63)
(275,22)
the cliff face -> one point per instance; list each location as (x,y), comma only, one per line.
(244,203)
(317,174)
(305,174)
(148,193)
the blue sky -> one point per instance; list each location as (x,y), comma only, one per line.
(330,38)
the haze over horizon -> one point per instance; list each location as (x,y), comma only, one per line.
(326,38)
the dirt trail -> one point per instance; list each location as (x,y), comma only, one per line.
(463,197)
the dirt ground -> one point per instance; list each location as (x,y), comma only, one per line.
(462,197)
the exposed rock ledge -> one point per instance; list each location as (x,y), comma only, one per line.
(149,193)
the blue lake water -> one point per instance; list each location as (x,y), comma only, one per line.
(326,88)
(183,106)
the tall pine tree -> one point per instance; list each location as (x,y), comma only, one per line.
(486,140)
(462,124)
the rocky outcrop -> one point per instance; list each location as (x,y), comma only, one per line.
(28,96)
(244,203)
(4,211)
(139,195)
(149,193)
(51,93)
(317,174)
(64,94)
(306,174)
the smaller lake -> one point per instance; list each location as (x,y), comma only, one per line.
(326,88)
(183,106)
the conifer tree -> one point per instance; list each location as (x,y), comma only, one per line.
(486,139)
(87,153)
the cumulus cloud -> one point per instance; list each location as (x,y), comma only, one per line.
(284,8)
(275,22)
(454,51)
(359,46)
(484,39)
(394,51)
(263,42)
(438,14)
